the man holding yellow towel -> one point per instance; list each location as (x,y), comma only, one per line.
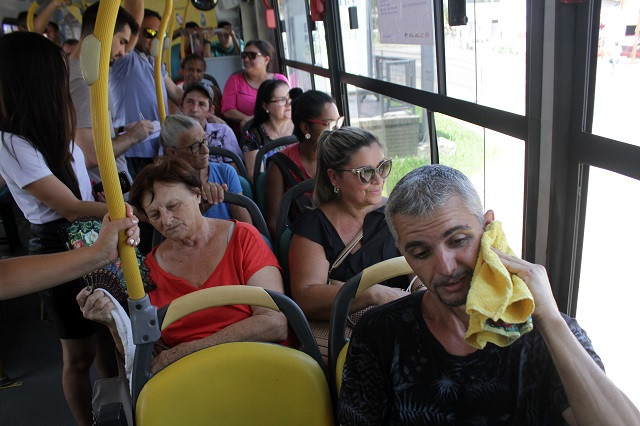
(409,361)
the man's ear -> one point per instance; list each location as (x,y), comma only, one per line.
(171,151)
(212,109)
(488,217)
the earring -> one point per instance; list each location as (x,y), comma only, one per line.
(267,111)
(307,136)
(336,189)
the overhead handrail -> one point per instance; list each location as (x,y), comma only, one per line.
(31,15)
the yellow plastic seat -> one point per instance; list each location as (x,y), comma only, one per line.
(338,343)
(238,383)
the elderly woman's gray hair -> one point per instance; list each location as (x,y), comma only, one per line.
(173,127)
(424,190)
(335,149)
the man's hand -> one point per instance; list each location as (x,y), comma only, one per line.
(535,277)
(139,130)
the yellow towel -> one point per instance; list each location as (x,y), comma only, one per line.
(499,303)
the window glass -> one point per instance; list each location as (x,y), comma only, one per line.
(299,78)
(320,45)
(485,59)
(495,165)
(410,65)
(618,68)
(609,287)
(399,125)
(296,31)
(323,84)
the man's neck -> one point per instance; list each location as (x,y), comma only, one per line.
(447,324)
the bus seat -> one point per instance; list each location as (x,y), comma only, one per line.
(283,233)
(240,382)
(355,285)
(259,176)
(243,176)
(254,211)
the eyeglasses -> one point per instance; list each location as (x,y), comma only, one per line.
(250,55)
(150,33)
(196,147)
(330,124)
(281,101)
(366,173)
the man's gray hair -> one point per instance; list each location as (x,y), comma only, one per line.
(173,127)
(424,190)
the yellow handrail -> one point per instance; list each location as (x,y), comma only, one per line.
(167,54)
(156,51)
(30,15)
(94,58)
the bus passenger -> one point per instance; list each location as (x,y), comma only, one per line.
(47,177)
(271,120)
(133,133)
(425,372)
(131,84)
(192,69)
(350,176)
(228,43)
(183,137)
(198,103)
(311,112)
(198,253)
(241,89)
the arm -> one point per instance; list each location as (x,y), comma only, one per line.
(309,268)
(28,274)
(41,21)
(236,44)
(135,132)
(52,192)
(264,325)
(274,190)
(230,102)
(593,398)
(250,161)
(136,9)
(240,213)
(174,93)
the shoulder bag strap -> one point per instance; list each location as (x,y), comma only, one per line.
(343,255)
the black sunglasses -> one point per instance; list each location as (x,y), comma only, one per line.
(250,55)
(366,173)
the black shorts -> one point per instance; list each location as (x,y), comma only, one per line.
(60,301)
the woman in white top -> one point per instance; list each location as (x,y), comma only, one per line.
(47,177)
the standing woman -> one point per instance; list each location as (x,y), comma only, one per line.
(240,91)
(47,177)
(271,120)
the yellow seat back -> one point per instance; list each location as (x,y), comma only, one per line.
(243,383)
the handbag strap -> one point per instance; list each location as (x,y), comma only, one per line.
(343,255)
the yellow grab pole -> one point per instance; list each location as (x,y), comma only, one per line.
(30,15)
(156,51)
(94,59)
(167,54)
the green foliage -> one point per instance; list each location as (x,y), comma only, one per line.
(402,166)
(464,148)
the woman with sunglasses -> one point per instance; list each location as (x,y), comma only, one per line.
(312,112)
(350,175)
(271,120)
(240,91)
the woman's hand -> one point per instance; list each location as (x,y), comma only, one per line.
(244,121)
(96,306)
(213,193)
(169,356)
(106,245)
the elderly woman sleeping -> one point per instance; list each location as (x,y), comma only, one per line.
(198,253)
